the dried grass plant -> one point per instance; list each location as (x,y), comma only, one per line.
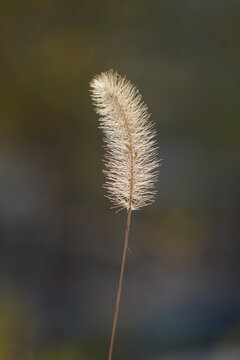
(131,164)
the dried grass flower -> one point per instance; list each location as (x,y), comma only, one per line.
(131,154)
(131,164)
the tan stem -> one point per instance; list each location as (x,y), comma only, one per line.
(120,283)
(126,234)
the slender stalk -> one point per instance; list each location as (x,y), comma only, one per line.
(120,283)
(131,182)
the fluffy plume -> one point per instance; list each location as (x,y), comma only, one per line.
(131,158)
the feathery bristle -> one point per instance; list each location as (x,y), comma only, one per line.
(131,158)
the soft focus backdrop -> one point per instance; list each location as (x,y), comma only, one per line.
(60,244)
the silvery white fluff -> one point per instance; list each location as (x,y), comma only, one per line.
(131,158)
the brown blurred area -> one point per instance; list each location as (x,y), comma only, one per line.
(60,244)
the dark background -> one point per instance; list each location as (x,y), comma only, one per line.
(60,244)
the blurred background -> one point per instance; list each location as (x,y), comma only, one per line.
(60,243)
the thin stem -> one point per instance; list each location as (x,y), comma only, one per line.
(120,283)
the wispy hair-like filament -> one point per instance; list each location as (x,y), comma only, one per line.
(131,153)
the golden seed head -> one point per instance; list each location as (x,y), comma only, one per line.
(131,154)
